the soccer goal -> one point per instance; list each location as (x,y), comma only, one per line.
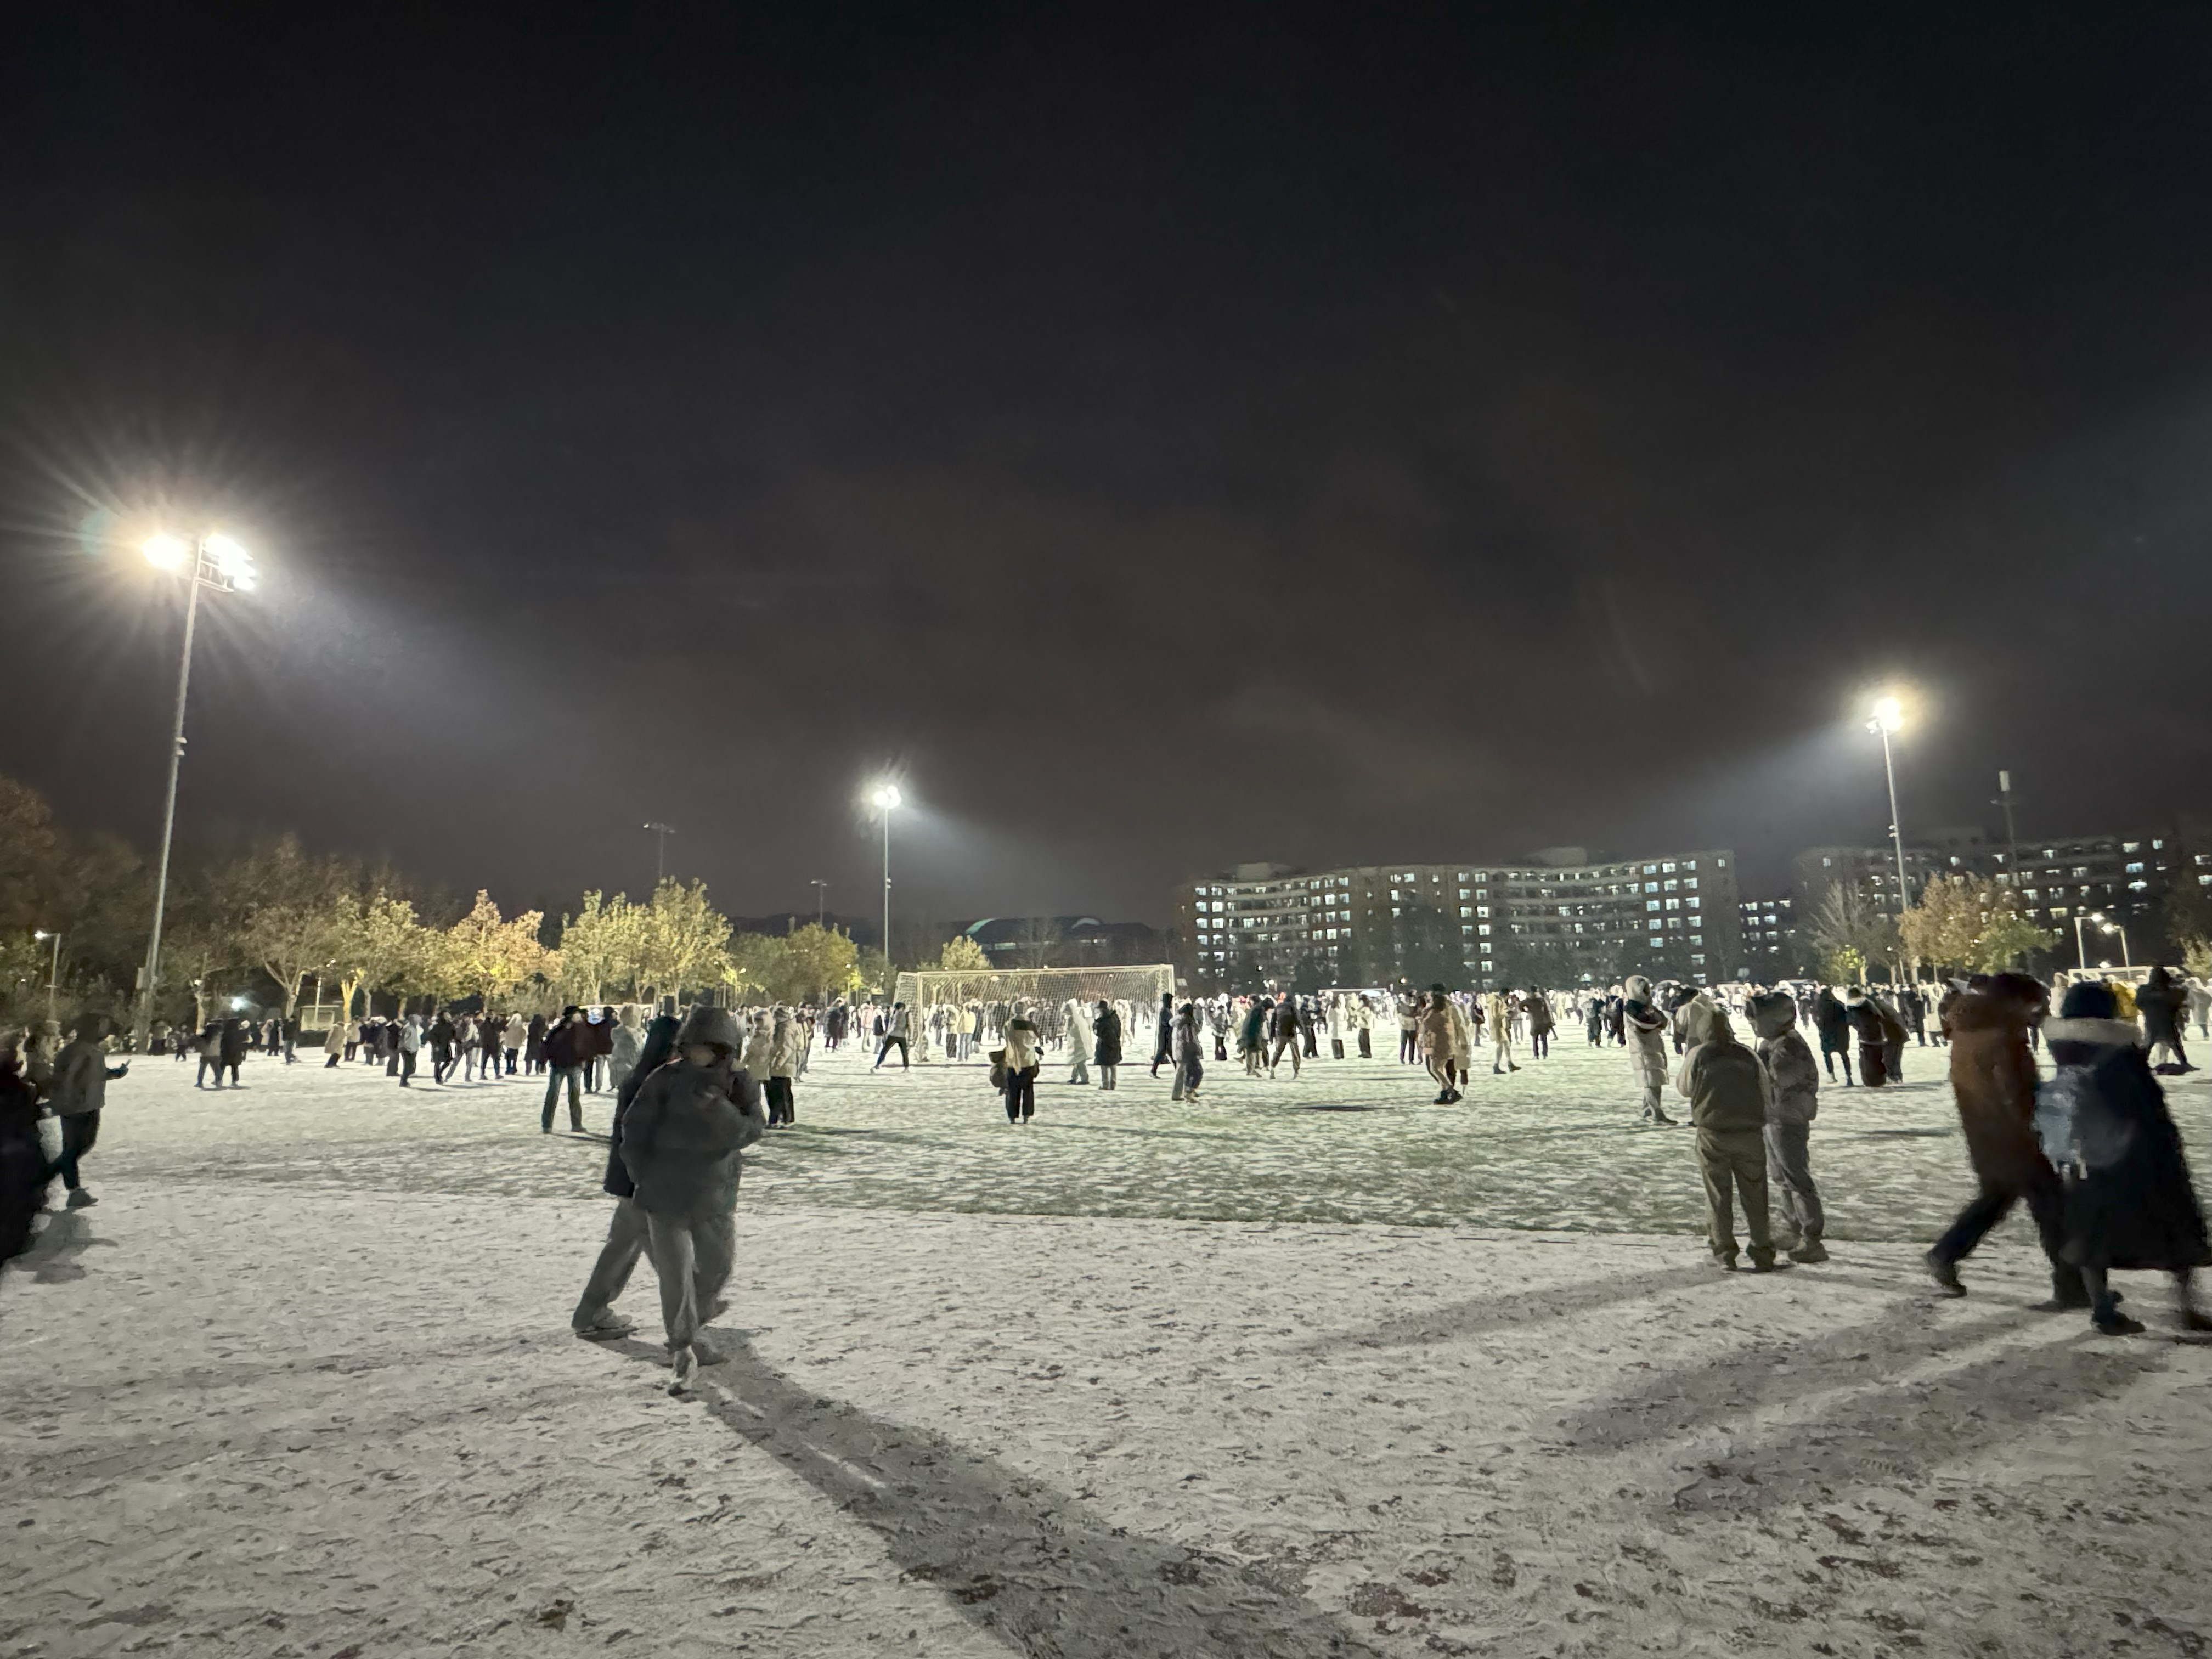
(931,988)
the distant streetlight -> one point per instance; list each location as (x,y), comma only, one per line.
(217,562)
(1888,716)
(820,902)
(54,973)
(2103,924)
(888,800)
(661,833)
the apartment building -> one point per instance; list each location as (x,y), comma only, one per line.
(1557,915)
(1771,945)
(2124,879)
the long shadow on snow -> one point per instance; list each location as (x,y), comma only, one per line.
(1018,1558)
(1492,1313)
(1902,1435)
(52,1256)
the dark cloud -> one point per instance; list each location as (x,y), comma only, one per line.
(1227,432)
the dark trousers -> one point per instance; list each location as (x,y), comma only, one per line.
(1408,1044)
(79,1131)
(2046,1202)
(889,1043)
(441,1061)
(332,1064)
(512,1055)
(779,1101)
(1021,1094)
(404,1060)
(1336,1047)
(575,1076)
(1366,1049)
(209,1063)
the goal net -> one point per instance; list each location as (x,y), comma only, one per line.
(1043,986)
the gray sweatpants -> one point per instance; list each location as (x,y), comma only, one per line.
(1789,1177)
(691,1256)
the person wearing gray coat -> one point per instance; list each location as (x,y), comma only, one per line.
(78,1092)
(1646,1026)
(1793,1100)
(681,1136)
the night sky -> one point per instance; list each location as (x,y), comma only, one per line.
(1186,436)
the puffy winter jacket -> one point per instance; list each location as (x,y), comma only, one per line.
(682,1134)
(1722,1080)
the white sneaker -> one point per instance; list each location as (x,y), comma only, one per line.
(605,1326)
(686,1364)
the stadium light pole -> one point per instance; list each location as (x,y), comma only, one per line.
(820,902)
(887,798)
(54,971)
(217,562)
(661,833)
(1888,716)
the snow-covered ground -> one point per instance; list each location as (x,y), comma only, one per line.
(1135,1380)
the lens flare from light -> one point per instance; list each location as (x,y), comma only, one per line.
(164,552)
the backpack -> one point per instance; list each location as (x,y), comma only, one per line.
(2078,1134)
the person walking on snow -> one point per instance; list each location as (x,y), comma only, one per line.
(1022,1057)
(1646,1027)
(680,1141)
(1106,1044)
(1834,1022)
(2130,1202)
(1727,1088)
(1164,1034)
(1793,1080)
(78,1094)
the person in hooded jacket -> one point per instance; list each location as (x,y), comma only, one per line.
(565,1050)
(787,1046)
(1075,1021)
(1190,1054)
(1646,1023)
(627,1043)
(1252,1035)
(1024,1056)
(2130,1202)
(1106,1044)
(230,1051)
(1993,1079)
(1285,1026)
(1541,1022)
(595,1318)
(682,1136)
(1727,1088)
(442,1034)
(1834,1022)
(1793,1078)
(2164,1004)
(1869,1025)
(77,1096)
(1164,1034)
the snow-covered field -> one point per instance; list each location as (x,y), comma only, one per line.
(1314,1368)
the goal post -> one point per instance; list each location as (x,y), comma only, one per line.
(931,988)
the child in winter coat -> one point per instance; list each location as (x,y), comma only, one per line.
(1794,1099)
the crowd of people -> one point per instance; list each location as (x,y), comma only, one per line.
(2092,1151)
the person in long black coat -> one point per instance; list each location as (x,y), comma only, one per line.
(1106,1044)
(2129,1203)
(1834,1022)
(2161,1002)
(1163,1035)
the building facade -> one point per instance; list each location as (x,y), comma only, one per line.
(1558,918)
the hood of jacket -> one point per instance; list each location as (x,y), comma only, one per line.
(1705,1022)
(1772,1012)
(1637,988)
(715,1027)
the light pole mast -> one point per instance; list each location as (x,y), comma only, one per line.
(661,833)
(1888,715)
(217,561)
(887,800)
(54,972)
(821,903)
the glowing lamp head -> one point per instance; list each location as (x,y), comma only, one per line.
(42,933)
(1889,713)
(889,797)
(165,552)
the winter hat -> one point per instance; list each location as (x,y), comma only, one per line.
(1772,1012)
(714,1027)
(2089,999)
(1638,987)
